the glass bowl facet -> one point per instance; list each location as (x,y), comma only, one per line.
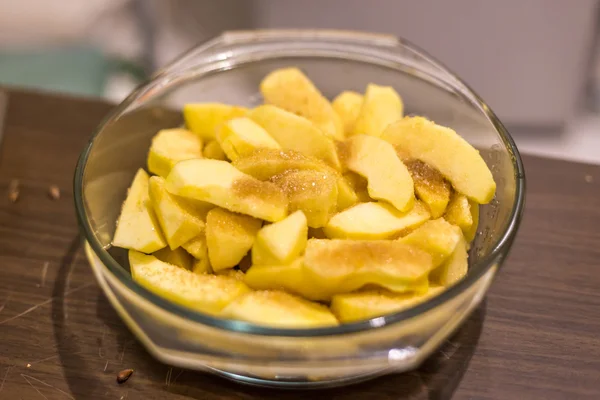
(229,69)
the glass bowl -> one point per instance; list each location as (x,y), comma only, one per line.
(228,69)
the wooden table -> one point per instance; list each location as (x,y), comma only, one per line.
(537,336)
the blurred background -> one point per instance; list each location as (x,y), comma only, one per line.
(536,62)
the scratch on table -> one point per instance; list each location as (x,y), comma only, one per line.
(31,384)
(178,375)
(168,377)
(5,375)
(46,384)
(43,303)
(105,366)
(44,272)
(43,359)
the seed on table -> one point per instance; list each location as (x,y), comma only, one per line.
(124,375)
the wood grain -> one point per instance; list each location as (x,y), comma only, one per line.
(537,336)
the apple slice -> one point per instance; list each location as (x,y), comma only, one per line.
(313,192)
(347,265)
(220,183)
(179,220)
(281,242)
(137,226)
(445,150)
(204,293)
(381,107)
(294,132)
(388,178)
(178,257)
(437,237)
(459,212)
(472,231)
(347,105)
(291,90)
(213,150)
(229,236)
(241,136)
(198,248)
(205,118)
(347,197)
(375,221)
(357,306)
(455,267)
(430,186)
(279,309)
(169,146)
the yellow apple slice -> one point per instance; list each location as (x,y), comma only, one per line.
(205,293)
(198,248)
(294,132)
(137,226)
(388,178)
(437,237)
(359,184)
(229,236)
(204,118)
(279,309)
(290,277)
(213,150)
(178,220)
(374,221)
(347,265)
(347,105)
(291,90)
(313,192)
(454,268)
(430,186)
(220,183)
(281,242)
(178,257)
(381,107)
(459,212)
(232,273)
(169,146)
(472,231)
(357,306)
(347,197)
(241,136)
(446,151)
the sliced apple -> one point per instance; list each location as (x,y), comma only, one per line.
(229,236)
(137,226)
(437,237)
(455,267)
(357,306)
(279,309)
(198,248)
(313,192)
(291,90)
(220,183)
(205,293)
(347,105)
(213,150)
(472,231)
(294,132)
(169,146)
(359,184)
(388,178)
(375,221)
(445,150)
(178,257)
(430,186)
(204,118)
(232,273)
(347,197)
(281,242)
(459,212)
(241,136)
(381,107)
(347,265)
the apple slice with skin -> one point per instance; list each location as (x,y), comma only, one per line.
(169,146)
(229,236)
(281,242)
(220,183)
(446,151)
(137,226)
(205,293)
(178,257)
(279,309)
(430,186)
(205,118)
(294,132)
(374,221)
(241,136)
(347,105)
(437,237)
(291,90)
(388,178)
(381,107)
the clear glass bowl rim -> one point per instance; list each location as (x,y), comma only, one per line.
(499,250)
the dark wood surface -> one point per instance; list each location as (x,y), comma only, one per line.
(537,336)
